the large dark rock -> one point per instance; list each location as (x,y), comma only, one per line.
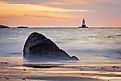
(38,47)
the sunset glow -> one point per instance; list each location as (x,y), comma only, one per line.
(59,12)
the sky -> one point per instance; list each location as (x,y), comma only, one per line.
(60,12)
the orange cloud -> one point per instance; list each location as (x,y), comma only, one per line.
(98,12)
(31,13)
(34,14)
(37,10)
(32,7)
(33,20)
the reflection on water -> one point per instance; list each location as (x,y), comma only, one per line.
(63,72)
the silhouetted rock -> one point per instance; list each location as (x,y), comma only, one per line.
(38,47)
(3,26)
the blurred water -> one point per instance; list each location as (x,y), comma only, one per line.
(92,45)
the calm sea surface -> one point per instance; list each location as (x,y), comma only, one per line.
(90,45)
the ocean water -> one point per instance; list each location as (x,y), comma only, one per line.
(98,46)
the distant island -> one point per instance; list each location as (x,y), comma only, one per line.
(22,27)
(83,24)
(3,26)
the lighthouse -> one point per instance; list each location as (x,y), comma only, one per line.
(83,24)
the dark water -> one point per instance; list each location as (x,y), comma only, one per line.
(92,45)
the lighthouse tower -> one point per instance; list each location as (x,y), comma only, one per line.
(83,24)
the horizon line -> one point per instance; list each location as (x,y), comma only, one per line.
(37,26)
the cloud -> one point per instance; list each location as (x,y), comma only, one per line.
(32,7)
(53,15)
(40,20)
(36,14)
(97,12)
(43,1)
(13,10)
